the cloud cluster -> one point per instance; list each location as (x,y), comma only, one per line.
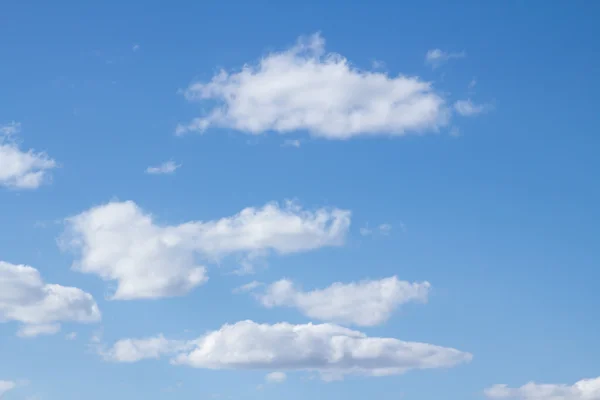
(365,303)
(20,169)
(119,242)
(38,306)
(329,349)
(305,88)
(585,389)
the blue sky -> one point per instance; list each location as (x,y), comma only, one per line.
(393,174)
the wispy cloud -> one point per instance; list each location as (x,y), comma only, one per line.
(436,57)
(467,108)
(21,169)
(166,168)
(291,143)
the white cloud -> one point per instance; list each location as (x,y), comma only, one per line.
(38,330)
(473,83)
(436,57)
(276,377)
(119,242)
(21,169)
(135,47)
(305,88)
(585,389)
(40,307)
(383,229)
(365,303)
(133,350)
(71,336)
(467,108)
(165,168)
(6,386)
(10,129)
(248,287)
(365,231)
(291,143)
(329,349)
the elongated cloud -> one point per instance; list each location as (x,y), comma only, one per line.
(166,168)
(21,169)
(134,350)
(365,303)
(119,242)
(436,57)
(305,88)
(585,389)
(38,306)
(329,349)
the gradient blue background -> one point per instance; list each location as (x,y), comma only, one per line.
(503,220)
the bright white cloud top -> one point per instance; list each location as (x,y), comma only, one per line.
(21,169)
(585,389)
(365,303)
(331,350)
(305,88)
(119,242)
(38,306)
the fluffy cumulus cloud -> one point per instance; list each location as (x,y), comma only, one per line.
(119,242)
(585,389)
(5,386)
(436,57)
(365,303)
(331,350)
(21,169)
(38,306)
(166,168)
(305,88)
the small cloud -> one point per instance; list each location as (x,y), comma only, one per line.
(454,132)
(28,331)
(71,336)
(366,231)
(436,57)
(165,168)
(467,108)
(276,377)
(6,386)
(291,143)
(135,47)
(385,229)
(473,83)
(248,287)
(377,64)
(10,129)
